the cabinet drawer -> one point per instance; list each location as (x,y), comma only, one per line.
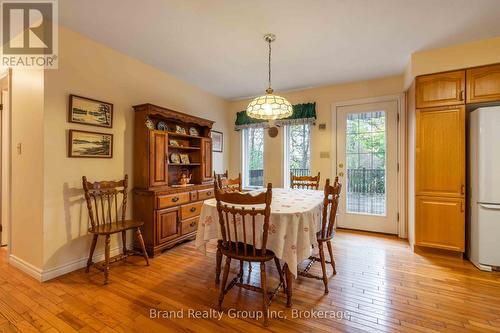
(169,200)
(189,225)
(191,210)
(206,194)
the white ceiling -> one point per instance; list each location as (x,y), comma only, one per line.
(218,46)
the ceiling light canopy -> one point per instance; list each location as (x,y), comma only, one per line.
(269,106)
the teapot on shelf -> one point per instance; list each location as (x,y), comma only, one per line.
(184,177)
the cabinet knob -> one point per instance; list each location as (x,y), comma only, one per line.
(175,199)
(192,224)
(209,193)
(193,209)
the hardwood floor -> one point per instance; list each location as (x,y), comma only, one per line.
(380,285)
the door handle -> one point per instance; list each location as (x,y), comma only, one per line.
(489,206)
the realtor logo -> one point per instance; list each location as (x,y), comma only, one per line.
(29,33)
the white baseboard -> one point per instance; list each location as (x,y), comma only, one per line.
(51,273)
(26,267)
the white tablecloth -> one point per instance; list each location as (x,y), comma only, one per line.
(295,219)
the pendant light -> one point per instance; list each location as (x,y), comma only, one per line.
(269,106)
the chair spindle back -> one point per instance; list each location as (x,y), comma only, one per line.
(330,205)
(233,220)
(103,201)
(229,185)
(304,182)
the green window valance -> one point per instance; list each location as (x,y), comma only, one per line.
(302,114)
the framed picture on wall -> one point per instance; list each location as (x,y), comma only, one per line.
(90,144)
(87,111)
(217,141)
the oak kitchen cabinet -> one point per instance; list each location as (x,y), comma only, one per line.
(440,223)
(440,89)
(440,152)
(483,84)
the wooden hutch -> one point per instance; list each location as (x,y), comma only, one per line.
(170,212)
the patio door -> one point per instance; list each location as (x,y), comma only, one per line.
(367,166)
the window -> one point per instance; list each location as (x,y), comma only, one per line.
(297,151)
(253,157)
(366,162)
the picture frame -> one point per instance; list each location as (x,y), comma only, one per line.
(184,158)
(217,141)
(88,111)
(88,144)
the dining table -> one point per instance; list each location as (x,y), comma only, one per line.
(295,219)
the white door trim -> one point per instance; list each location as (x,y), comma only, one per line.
(401,149)
(6,163)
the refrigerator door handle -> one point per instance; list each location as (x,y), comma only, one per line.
(489,206)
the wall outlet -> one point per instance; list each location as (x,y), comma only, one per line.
(322,127)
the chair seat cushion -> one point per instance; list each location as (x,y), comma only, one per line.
(111,228)
(231,253)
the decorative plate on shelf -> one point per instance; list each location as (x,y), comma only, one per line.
(194,131)
(184,158)
(149,123)
(175,158)
(161,126)
(180,130)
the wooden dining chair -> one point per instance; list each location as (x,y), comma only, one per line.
(104,207)
(224,175)
(325,235)
(227,184)
(304,182)
(240,240)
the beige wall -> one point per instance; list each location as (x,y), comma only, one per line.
(27,168)
(91,69)
(321,140)
(472,54)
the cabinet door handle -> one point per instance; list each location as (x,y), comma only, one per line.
(175,199)
(461,95)
(193,209)
(462,189)
(461,206)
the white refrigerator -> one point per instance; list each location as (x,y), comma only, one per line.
(484,180)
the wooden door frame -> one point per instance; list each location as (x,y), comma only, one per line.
(400,99)
(5,162)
